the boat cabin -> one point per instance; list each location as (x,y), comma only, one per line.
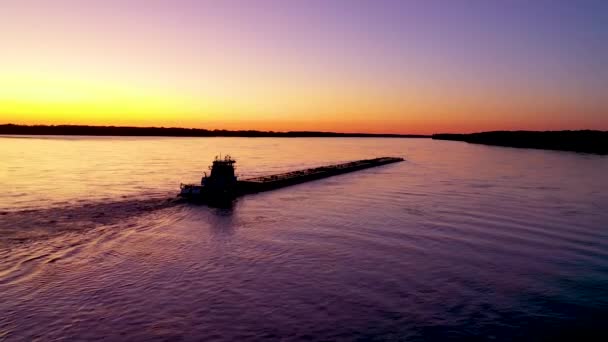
(222,177)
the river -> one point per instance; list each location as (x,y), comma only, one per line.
(459,242)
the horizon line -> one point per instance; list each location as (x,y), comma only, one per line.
(103,130)
(113,130)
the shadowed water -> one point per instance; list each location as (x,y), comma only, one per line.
(460,242)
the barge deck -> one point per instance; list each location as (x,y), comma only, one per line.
(259,184)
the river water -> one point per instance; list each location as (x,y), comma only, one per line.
(459,242)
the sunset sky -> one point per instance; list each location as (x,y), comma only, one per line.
(368,66)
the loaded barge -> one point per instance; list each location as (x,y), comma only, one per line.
(222,184)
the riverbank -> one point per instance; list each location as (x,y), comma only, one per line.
(11,129)
(585,141)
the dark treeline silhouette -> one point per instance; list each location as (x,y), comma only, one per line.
(175,132)
(585,141)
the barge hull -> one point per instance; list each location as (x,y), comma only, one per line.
(259,184)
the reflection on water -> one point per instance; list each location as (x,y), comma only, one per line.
(459,242)
(222,221)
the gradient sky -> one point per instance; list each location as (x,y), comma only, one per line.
(369,66)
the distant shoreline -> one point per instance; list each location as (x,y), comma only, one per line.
(72,130)
(584,141)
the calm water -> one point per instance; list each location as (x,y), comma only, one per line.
(460,242)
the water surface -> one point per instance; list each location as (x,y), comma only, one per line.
(459,242)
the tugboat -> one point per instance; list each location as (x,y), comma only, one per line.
(220,185)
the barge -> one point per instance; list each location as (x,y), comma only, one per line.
(222,184)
